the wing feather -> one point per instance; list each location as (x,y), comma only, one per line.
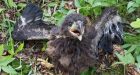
(30,25)
(109,31)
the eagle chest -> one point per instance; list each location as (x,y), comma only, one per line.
(66,52)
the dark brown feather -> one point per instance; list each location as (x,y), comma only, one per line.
(71,55)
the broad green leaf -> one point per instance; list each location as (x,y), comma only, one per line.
(129,59)
(1,49)
(130,4)
(136,24)
(132,9)
(121,57)
(5,60)
(126,59)
(9,69)
(77,3)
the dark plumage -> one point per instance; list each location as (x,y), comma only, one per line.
(109,30)
(70,54)
(31,26)
(76,45)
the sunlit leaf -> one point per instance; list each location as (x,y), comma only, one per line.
(130,4)
(52,4)
(121,57)
(138,65)
(9,69)
(138,58)
(132,9)
(5,60)
(2,9)
(70,11)
(132,48)
(1,49)
(126,59)
(77,3)
(90,1)
(136,24)
(129,59)
(137,1)
(62,4)
(21,5)
(126,45)
(10,3)
(20,47)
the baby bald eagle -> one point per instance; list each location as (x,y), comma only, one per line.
(71,53)
(75,45)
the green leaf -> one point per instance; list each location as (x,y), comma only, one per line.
(70,11)
(117,63)
(126,59)
(130,10)
(137,1)
(10,3)
(1,49)
(85,10)
(2,9)
(97,11)
(77,3)
(132,48)
(129,59)
(90,1)
(130,4)
(121,57)
(21,5)
(97,4)
(138,65)
(136,24)
(126,45)
(20,47)
(62,4)
(9,69)
(5,60)
(138,58)
(10,46)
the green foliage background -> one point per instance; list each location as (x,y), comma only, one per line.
(10,11)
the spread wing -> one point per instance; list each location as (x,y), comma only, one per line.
(107,30)
(30,25)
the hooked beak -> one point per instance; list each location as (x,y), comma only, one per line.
(77,30)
